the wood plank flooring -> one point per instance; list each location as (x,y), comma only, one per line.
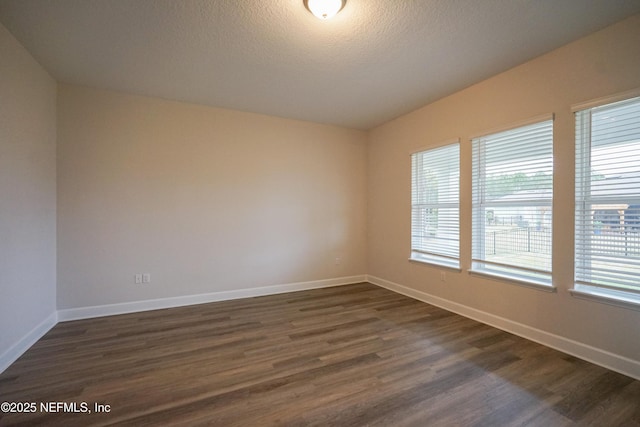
(347,356)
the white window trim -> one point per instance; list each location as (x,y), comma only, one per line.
(429,259)
(527,283)
(546,286)
(603,296)
(422,258)
(633,93)
(513,125)
(589,292)
(434,146)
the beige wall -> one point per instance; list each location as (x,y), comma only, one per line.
(28,189)
(203,199)
(605,63)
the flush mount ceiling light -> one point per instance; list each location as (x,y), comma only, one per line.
(324,9)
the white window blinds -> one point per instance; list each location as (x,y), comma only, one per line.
(512,188)
(607,233)
(435,205)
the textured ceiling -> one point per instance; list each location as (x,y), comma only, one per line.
(376,60)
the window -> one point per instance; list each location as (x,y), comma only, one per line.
(607,235)
(512,187)
(435,205)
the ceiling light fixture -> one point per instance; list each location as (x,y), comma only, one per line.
(324,9)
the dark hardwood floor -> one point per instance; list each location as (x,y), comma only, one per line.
(346,356)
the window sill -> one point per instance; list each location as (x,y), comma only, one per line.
(540,286)
(435,264)
(606,299)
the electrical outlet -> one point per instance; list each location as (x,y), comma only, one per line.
(146,278)
(443,276)
(138,278)
(338,260)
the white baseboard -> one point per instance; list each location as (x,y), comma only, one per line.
(16,350)
(155,304)
(13,353)
(591,354)
(598,356)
